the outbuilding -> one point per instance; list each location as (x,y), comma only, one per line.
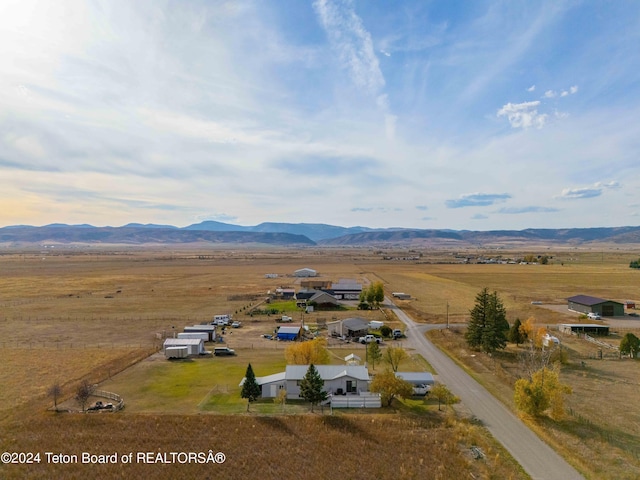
(289,333)
(349,327)
(195,346)
(209,329)
(587,304)
(305,272)
(591,329)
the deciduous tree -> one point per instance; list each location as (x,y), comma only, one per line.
(541,392)
(389,387)
(444,395)
(250,388)
(393,356)
(84,392)
(55,391)
(312,387)
(374,355)
(305,353)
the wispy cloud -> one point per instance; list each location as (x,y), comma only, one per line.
(588,192)
(479,216)
(523,115)
(529,209)
(422,207)
(477,200)
(362,209)
(532,88)
(351,40)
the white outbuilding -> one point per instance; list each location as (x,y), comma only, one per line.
(195,346)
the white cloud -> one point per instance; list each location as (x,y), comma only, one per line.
(523,115)
(588,192)
(550,94)
(573,89)
(532,88)
(350,39)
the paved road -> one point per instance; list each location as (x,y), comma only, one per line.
(539,460)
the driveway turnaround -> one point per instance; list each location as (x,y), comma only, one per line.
(539,460)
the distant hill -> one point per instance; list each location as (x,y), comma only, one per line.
(307,234)
(142,235)
(314,231)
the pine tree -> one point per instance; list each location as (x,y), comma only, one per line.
(250,388)
(488,323)
(473,335)
(311,387)
(515,335)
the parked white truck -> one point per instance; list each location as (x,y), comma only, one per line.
(369,339)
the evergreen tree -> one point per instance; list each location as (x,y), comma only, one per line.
(473,335)
(250,388)
(515,335)
(311,387)
(488,324)
(630,345)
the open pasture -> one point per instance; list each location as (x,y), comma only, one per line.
(433,286)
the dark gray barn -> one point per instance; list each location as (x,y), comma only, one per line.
(587,304)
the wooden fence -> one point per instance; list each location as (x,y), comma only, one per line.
(119,405)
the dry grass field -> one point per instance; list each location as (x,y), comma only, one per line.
(74,315)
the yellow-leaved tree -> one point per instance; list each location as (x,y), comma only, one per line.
(307,353)
(542,392)
(533,333)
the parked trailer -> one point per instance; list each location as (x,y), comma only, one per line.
(203,335)
(176,352)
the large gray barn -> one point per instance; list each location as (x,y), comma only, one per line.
(587,304)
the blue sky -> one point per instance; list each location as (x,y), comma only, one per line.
(446,114)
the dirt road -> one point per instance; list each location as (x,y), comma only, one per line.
(536,457)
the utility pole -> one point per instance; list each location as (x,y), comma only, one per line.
(447,314)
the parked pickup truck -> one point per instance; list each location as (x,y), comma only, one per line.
(369,339)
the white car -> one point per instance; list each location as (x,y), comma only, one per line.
(593,316)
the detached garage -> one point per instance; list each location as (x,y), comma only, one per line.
(587,304)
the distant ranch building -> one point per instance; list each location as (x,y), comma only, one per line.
(587,304)
(305,272)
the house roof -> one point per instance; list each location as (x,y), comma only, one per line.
(346,286)
(328,372)
(355,323)
(588,300)
(323,297)
(416,377)
(276,377)
(290,330)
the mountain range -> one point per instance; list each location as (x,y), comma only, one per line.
(304,234)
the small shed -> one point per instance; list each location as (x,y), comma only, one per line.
(195,346)
(288,333)
(587,304)
(630,304)
(352,359)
